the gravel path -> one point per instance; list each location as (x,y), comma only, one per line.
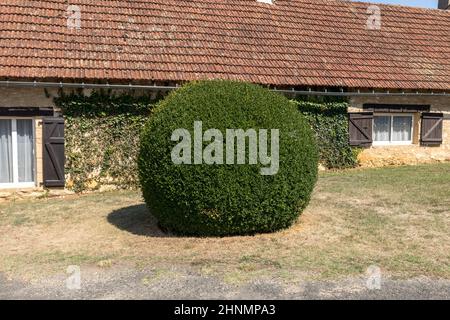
(128,283)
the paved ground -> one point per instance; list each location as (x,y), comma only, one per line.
(128,283)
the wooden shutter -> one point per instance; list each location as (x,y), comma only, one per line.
(360,129)
(53,153)
(431,128)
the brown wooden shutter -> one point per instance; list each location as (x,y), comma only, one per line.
(431,129)
(360,129)
(53,153)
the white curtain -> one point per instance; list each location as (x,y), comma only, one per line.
(25,155)
(401,128)
(6,173)
(382,128)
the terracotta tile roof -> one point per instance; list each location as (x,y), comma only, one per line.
(293,42)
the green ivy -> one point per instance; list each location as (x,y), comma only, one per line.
(102,138)
(330,123)
(103,130)
(104,103)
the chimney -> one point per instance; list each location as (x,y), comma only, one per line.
(444,4)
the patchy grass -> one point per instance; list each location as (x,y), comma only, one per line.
(396,218)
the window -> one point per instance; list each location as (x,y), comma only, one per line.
(17,163)
(392,129)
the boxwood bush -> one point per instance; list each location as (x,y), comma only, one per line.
(220,200)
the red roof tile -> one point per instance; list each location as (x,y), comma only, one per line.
(293,42)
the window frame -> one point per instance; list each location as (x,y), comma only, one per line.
(391,142)
(16,184)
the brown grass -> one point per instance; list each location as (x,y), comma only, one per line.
(396,218)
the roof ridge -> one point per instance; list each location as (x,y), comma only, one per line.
(393,5)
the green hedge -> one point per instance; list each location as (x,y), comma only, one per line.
(330,123)
(225,199)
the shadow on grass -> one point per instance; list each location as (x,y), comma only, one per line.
(137,220)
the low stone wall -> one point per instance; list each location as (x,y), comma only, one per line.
(402,155)
(8,195)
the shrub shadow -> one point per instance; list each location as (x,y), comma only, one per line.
(137,220)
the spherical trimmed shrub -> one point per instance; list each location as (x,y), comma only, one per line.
(226,199)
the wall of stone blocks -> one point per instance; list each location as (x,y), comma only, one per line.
(27,97)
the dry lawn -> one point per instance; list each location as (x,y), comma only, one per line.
(395,218)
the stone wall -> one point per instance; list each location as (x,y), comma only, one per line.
(7,195)
(410,154)
(27,97)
